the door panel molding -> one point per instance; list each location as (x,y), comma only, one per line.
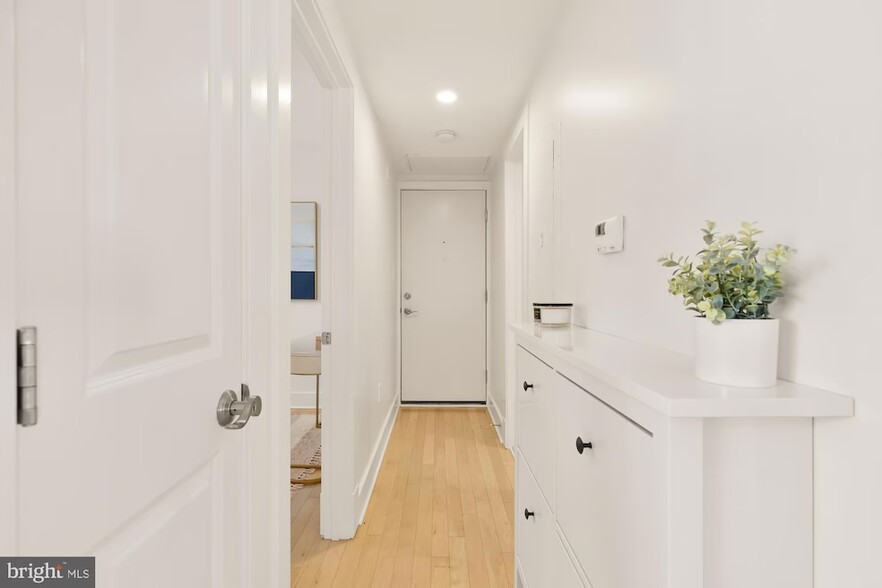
(128,184)
(201,495)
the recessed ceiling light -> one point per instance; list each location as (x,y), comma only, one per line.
(446,96)
(445,136)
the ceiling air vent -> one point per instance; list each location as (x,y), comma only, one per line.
(448,165)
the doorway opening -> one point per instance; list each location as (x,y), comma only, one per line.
(321,188)
(305,298)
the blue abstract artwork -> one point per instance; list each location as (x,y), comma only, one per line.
(302,285)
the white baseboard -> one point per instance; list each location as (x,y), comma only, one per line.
(497,419)
(442,405)
(365,487)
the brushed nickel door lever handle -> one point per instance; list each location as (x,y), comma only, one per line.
(233,413)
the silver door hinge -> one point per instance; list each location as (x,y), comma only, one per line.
(27,376)
(486,376)
(326,338)
(486,296)
(486,216)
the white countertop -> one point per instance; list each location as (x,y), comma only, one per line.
(664,379)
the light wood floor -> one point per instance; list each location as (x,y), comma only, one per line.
(442,512)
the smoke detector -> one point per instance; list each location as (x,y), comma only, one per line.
(445,136)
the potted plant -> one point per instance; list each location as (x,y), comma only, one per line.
(731,284)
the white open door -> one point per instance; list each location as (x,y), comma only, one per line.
(443,297)
(128,160)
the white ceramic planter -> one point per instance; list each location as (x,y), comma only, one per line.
(555,316)
(740,353)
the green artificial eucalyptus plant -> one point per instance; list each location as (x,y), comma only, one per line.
(732,278)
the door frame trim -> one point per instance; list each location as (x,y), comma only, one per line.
(8,266)
(287,23)
(265,138)
(443,186)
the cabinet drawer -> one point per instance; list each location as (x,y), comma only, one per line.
(542,556)
(535,529)
(611,494)
(535,414)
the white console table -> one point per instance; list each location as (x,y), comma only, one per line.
(631,473)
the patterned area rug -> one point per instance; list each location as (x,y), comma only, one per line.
(306,443)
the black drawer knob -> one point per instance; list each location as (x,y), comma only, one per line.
(527,386)
(582,446)
(528,514)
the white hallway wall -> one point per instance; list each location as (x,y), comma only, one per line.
(309,184)
(376,284)
(672,113)
(375,246)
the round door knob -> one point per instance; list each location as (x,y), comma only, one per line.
(527,386)
(582,446)
(528,514)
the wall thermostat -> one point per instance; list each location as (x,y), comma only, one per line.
(609,235)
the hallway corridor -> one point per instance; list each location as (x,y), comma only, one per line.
(441,513)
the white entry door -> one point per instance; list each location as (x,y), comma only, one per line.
(129,153)
(443,287)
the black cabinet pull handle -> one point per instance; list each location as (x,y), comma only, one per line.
(528,514)
(581,445)
(527,386)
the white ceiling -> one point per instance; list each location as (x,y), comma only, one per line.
(485,50)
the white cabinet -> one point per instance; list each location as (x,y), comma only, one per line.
(636,475)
